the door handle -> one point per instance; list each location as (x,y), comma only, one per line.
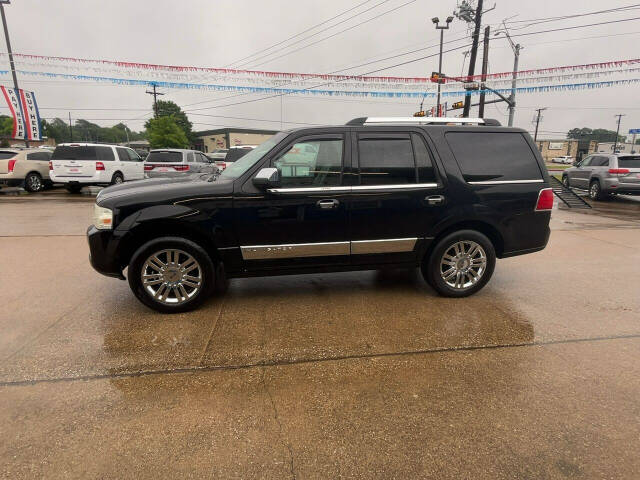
(435,200)
(327,204)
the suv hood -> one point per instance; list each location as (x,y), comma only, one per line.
(162,190)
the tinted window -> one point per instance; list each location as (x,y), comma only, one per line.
(386,161)
(426,170)
(105,153)
(122,154)
(5,155)
(311,163)
(190,157)
(493,156)
(74,153)
(587,161)
(236,153)
(164,157)
(133,156)
(38,156)
(600,161)
(629,161)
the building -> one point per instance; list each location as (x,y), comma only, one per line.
(607,147)
(210,140)
(16,143)
(138,145)
(566,147)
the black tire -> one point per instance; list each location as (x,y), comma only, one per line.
(595,191)
(206,270)
(431,266)
(117,179)
(565,181)
(73,188)
(33,182)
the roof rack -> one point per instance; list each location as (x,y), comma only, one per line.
(366,121)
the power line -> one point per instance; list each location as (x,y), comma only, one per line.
(298,34)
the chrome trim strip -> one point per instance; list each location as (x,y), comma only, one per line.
(387,245)
(294,250)
(505,182)
(407,186)
(310,190)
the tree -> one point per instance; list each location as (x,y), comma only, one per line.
(598,134)
(164,132)
(167,108)
(84,130)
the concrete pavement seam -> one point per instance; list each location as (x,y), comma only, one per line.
(211,368)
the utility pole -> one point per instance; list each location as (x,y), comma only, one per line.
(539,110)
(155,99)
(70,128)
(436,21)
(514,77)
(485,66)
(615,145)
(13,67)
(474,53)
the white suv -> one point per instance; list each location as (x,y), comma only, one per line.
(81,164)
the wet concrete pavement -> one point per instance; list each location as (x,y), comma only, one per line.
(365,374)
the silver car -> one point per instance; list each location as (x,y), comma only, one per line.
(602,174)
(174,162)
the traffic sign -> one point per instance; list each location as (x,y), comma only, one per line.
(633,131)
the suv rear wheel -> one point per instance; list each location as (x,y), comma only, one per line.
(117,179)
(595,191)
(171,274)
(33,182)
(460,264)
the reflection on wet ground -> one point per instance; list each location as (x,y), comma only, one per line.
(351,374)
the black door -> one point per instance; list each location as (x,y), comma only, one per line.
(397,198)
(303,222)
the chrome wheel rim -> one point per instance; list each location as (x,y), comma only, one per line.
(118,180)
(171,276)
(594,190)
(463,264)
(34,183)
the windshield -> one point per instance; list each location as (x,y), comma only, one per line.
(162,157)
(250,159)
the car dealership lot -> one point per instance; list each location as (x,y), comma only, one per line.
(363,374)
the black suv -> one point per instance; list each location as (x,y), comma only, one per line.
(374,193)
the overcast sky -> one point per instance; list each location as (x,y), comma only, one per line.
(215,33)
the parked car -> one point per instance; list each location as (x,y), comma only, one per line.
(218,153)
(379,193)
(234,154)
(82,164)
(602,174)
(172,162)
(566,160)
(28,168)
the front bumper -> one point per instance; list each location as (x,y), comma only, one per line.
(103,252)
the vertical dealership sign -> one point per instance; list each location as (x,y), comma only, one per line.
(24,109)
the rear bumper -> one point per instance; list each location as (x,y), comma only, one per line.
(9,180)
(103,252)
(98,178)
(618,185)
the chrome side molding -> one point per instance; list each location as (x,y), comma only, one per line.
(354,188)
(327,249)
(505,182)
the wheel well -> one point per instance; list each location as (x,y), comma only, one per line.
(491,232)
(116,172)
(33,171)
(148,231)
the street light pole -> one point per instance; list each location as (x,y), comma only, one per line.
(436,21)
(9,51)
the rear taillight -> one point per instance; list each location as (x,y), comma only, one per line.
(619,171)
(99,166)
(181,168)
(148,167)
(50,165)
(222,165)
(545,200)
(12,163)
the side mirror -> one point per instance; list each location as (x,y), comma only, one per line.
(267,177)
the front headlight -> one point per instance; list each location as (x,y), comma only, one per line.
(102,218)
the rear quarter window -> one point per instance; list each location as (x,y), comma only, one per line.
(489,156)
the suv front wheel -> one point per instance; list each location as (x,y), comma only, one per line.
(171,274)
(460,264)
